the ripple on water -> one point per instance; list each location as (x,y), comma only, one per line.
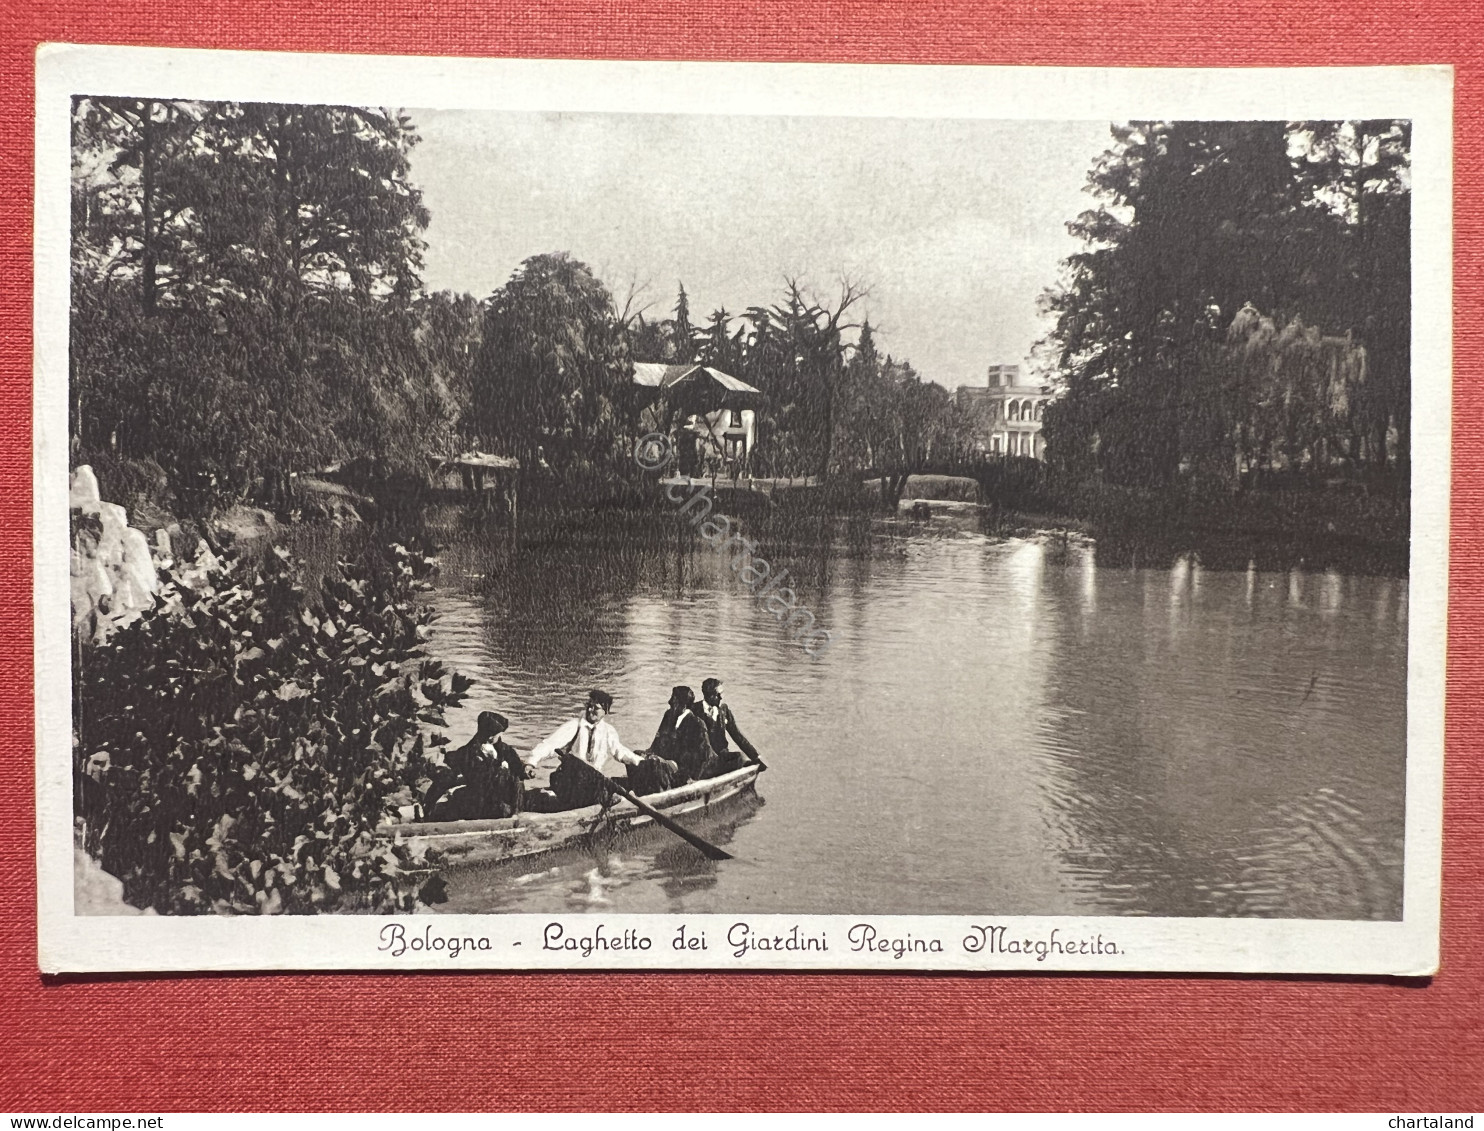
(1001,726)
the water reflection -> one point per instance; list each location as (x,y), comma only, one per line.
(1218,766)
(645,869)
(1001,726)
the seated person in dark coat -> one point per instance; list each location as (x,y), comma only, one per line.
(680,749)
(720,722)
(480,779)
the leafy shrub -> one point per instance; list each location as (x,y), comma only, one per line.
(1019,483)
(236,746)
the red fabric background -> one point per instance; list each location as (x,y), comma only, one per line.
(770,1042)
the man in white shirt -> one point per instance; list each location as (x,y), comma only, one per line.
(589,739)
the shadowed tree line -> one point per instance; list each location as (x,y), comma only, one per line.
(247,303)
(246,295)
(1240,311)
(551,380)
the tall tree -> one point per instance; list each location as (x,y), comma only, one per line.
(449,329)
(918,427)
(718,347)
(1357,175)
(134,194)
(246,276)
(682,333)
(815,333)
(1197,221)
(554,370)
(868,404)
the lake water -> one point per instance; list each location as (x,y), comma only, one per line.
(1000,726)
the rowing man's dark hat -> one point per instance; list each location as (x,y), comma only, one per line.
(492,722)
(602,699)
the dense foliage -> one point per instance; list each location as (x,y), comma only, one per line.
(553,375)
(237,745)
(1241,305)
(247,302)
(247,293)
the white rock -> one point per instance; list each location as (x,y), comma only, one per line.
(99,584)
(125,596)
(115,518)
(115,521)
(83,487)
(139,565)
(82,601)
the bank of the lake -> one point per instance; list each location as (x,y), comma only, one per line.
(1296,521)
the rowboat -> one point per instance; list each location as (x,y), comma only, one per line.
(497,840)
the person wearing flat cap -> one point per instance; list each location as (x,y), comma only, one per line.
(591,739)
(482,778)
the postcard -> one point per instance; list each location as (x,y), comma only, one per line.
(661,516)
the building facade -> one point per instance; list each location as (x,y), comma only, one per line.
(709,439)
(1007,412)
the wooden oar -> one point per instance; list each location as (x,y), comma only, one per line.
(705,846)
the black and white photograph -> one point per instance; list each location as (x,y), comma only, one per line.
(664,516)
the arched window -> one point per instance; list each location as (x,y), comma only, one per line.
(1039,406)
(1012,410)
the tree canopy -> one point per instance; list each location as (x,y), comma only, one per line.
(246,290)
(1207,233)
(553,371)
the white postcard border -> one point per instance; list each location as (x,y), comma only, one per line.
(69,943)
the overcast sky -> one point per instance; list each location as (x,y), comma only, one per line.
(957,226)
